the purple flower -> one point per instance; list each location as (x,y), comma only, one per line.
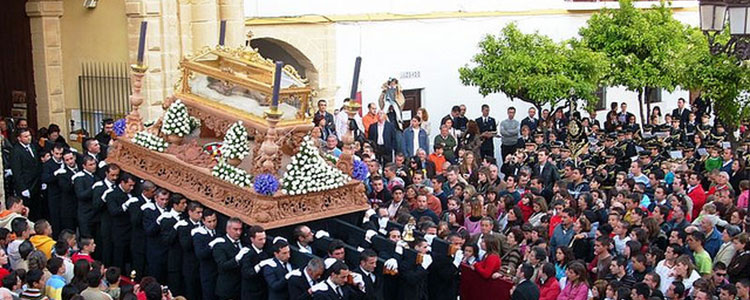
(120,127)
(359,171)
(266,184)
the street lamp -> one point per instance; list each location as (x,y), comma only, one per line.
(713,16)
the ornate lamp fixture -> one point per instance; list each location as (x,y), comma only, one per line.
(713,16)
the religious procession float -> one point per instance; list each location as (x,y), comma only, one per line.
(235,135)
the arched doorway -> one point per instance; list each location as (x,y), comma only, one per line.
(279,50)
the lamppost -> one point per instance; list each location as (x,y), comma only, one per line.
(714,14)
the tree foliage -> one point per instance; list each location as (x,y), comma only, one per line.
(720,78)
(533,68)
(645,47)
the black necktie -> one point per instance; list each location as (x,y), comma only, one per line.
(237,244)
(28,148)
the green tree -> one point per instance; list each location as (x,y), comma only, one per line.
(721,79)
(645,47)
(534,69)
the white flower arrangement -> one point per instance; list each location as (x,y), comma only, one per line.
(309,172)
(176,120)
(150,141)
(235,144)
(194,123)
(231,174)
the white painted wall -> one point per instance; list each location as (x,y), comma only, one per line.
(437,48)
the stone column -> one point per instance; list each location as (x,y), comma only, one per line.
(163,49)
(204,25)
(232,11)
(44,16)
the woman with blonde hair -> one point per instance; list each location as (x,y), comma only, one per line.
(424,116)
(540,210)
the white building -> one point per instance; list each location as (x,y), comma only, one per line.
(421,43)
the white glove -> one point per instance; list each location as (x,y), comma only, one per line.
(44,186)
(279,238)
(368,213)
(242,253)
(8,172)
(369,234)
(458,257)
(263,263)
(296,272)
(74,150)
(429,238)
(426,261)
(26,194)
(382,223)
(102,164)
(320,234)
(129,202)
(59,171)
(391,264)
(357,280)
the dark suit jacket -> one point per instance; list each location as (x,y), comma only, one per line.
(531,123)
(373,291)
(682,117)
(82,183)
(228,280)
(47,177)
(330,124)
(253,284)
(137,233)
(527,290)
(189,260)
(154,248)
(298,287)
(68,204)
(548,176)
(330,294)
(277,285)
(26,169)
(119,218)
(490,125)
(389,135)
(443,278)
(201,239)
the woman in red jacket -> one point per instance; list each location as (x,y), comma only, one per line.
(549,287)
(490,263)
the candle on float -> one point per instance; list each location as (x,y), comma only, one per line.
(142,42)
(276,84)
(222,32)
(355,79)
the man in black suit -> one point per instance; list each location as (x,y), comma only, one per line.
(156,254)
(300,282)
(275,272)
(681,113)
(525,290)
(368,260)
(330,124)
(68,202)
(118,199)
(202,236)
(168,223)
(82,184)
(453,116)
(190,265)
(26,168)
(102,220)
(334,288)
(545,171)
(488,129)
(253,284)
(443,275)
(531,121)
(104,137)
(228,253)
(138,233)
(382,135)
(51,188)
(92,148)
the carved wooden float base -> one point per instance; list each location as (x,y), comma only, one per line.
(198,184)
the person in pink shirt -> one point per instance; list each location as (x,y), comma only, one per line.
(742,200)
(576,287)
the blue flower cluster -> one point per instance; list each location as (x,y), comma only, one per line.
(120,127)
(266,184)
(359,171)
